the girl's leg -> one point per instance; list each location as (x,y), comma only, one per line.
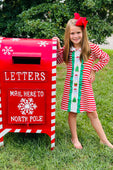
(72,124)
(98,128)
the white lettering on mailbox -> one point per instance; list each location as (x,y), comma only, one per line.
(19,119)
(25,76)
(26,106)
(36,118)
(25,119)
(17,93)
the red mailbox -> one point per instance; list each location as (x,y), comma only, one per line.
(27,86)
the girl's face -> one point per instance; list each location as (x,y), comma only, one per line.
(76,36)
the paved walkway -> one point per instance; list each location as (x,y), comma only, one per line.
(109,40)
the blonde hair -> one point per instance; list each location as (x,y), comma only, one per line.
(85,48)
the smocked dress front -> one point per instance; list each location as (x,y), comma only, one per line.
(78,93)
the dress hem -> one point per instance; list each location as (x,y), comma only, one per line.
(79,112)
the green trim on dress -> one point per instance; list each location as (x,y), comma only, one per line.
(71,81)
(80,87)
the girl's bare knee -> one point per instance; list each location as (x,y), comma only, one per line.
(72,114)
(92,115)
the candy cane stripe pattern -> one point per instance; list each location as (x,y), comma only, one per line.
(53,94)
(1,124)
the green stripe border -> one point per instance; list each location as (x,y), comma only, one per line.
(71,81)
(80,86)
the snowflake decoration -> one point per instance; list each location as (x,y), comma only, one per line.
(43,43)
(7,50)
(27,106)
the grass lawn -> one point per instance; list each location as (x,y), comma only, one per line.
(32,151)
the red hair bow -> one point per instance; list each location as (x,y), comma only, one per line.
(81,21)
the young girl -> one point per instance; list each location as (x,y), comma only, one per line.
(79,55)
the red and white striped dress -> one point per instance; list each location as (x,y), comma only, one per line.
(87,101)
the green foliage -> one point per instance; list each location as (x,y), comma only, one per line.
(43,21)
(99,15)
(48,18)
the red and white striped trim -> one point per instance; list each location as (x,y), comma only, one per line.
(1,38)
(5,131)
(53,92)
(1,122)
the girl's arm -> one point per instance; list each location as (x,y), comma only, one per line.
(103,57)
(59,51)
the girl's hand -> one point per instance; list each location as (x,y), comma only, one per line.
(58,42)
(92,76)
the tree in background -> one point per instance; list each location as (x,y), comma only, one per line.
(48,18)
(10,9)
(99,14)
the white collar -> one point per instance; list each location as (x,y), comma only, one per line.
(75,49)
